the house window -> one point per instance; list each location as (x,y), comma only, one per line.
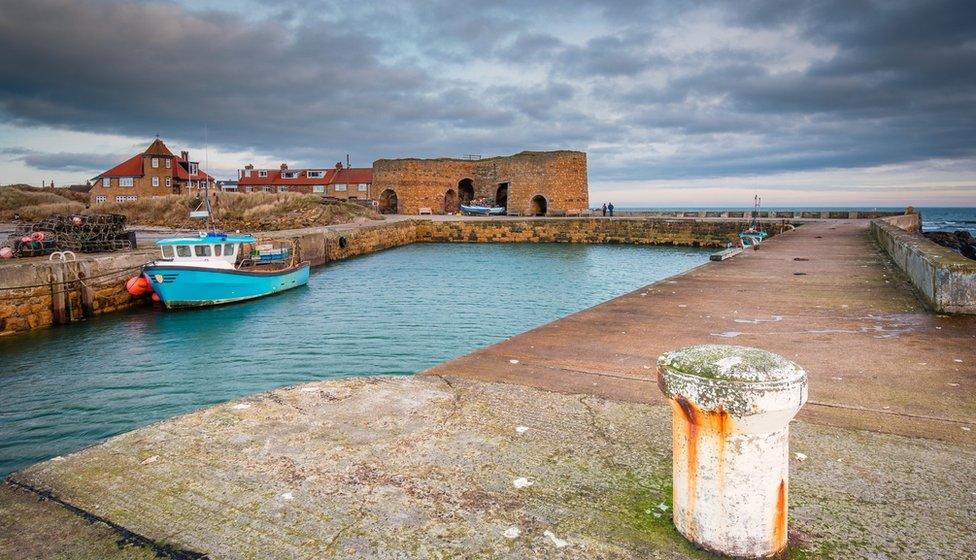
(318,188)
(262,173)
(289,174)
(363,187)
(125,181)
(268,189)
(283,189)
(315,174)
(99,199)
(340,187)
(126,198)
(155,163)
(169,163)
(106,181)
(155,181)
(169,181)
(193,169)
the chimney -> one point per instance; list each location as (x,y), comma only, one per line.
(284,166)
(185,155)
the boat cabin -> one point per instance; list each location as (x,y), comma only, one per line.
(210,250)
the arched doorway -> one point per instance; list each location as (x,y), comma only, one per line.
(466,190)
(539,205)
(451,202)
(501,196)
(388,202)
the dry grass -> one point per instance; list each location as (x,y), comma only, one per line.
(247,212)
(32,204)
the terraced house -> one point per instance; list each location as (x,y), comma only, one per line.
(340,181)
(154,172)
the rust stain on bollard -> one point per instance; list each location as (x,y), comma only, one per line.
(731,411)
(697,424)
(779,522)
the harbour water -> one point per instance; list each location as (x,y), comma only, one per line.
(394,312)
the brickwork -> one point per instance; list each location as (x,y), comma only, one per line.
(531,183)
(142,187)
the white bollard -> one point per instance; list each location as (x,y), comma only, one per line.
(732,409)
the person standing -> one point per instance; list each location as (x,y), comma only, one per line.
(604,209)
(610,208)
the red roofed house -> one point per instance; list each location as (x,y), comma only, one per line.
(340,182)
(154,172)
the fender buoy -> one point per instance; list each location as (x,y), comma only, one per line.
(6,253)
(37,236)
(76,220)
(25,239)
(137,286)
(155,297)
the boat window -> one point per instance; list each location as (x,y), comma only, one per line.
(183,250)
(229,249)
(202,250)
(167,252)
(218,250)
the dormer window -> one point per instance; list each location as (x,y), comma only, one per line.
(193,169)
(315,174)
(289,174)
(261,173)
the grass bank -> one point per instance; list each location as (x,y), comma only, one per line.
(257,211)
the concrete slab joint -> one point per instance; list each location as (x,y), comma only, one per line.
(732,406)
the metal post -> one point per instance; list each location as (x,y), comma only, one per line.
(732,408)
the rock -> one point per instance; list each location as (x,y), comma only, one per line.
(960,241)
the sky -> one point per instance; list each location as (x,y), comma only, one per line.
(700,103)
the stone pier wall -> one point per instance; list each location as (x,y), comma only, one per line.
(945,279)
(632,231)
(41,293)
(41,299)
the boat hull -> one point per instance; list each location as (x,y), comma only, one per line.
(185,286)
(482,210)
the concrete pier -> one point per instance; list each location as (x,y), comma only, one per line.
(545,446)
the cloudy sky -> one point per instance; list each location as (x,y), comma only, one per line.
(698,103)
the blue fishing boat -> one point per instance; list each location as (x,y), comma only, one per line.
(482,210)
(218,268)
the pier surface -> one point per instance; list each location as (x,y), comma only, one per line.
(550,444)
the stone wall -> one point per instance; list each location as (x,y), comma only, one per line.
(39,293)
(33,294)
(945,279)
(633,231)
(547,183)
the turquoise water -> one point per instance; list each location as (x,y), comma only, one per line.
(397,311)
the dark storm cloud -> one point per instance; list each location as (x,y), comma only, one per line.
(63,161)
(883,82)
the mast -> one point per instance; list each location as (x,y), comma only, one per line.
(206,183)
